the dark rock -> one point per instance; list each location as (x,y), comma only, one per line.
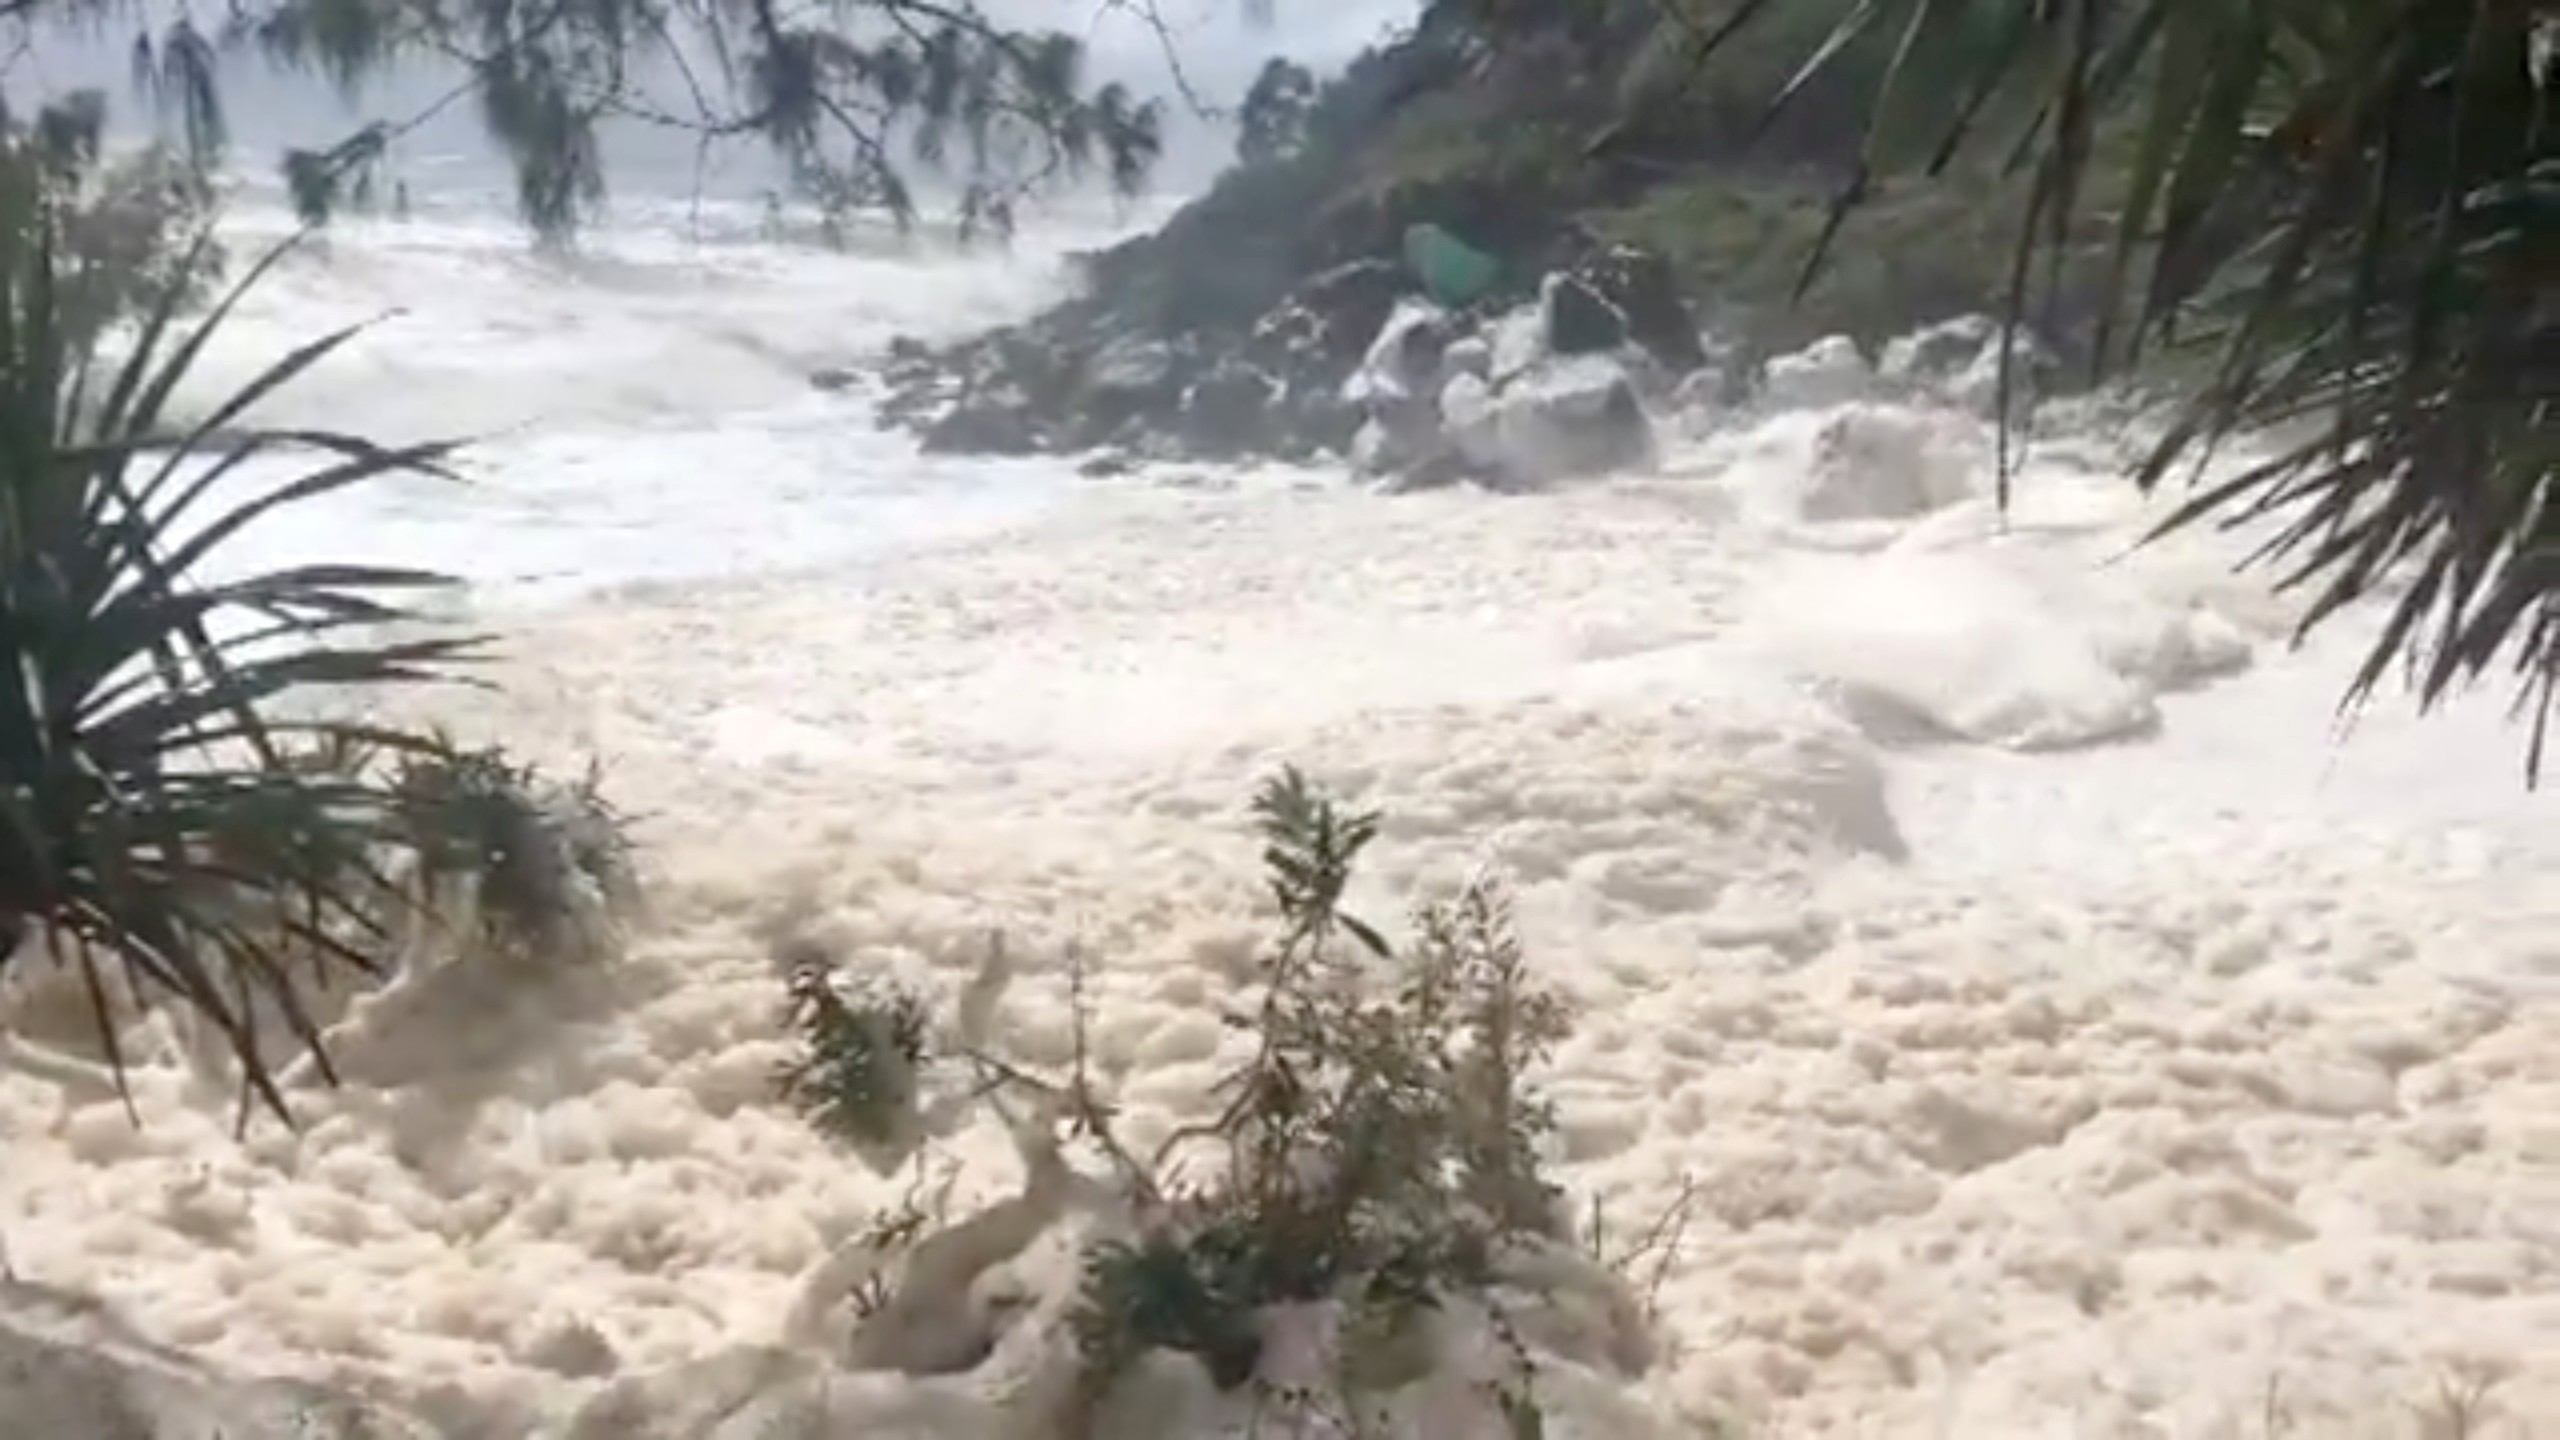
(1228,411)
(988,424)
(1108,466)
(1130,383)
(1309,345)
(1643,288)
(835,377)
(1576,320)
(1349,303)
(1047,363)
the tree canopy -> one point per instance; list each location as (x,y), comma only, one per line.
(852,96)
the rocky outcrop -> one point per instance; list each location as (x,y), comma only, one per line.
(1831,371)
(1350,362)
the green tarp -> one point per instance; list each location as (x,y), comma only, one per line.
(1452,272)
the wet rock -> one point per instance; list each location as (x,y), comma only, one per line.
(1397,391)
(1830,371)
(1574,320)
(1228,412)
(1571,417)
(1642,287)
(1344,306)
(1403,363)
(995,424)
(1350,362)
(1128,380)
(1959,361)
(1937,353)
(1518,340)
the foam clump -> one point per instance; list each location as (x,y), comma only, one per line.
(2004,648)
(1878,463)
(1831,371)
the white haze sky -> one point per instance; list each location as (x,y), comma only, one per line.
(1217,49)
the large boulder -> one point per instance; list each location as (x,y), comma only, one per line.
(998,421)
(1831,371)
(1327,321)
(1642,287)
(1403,362)
(1517,341)
(1131,382)
(1573,319)
(1937,353)
(1570,417)
(1310,344)
(1542,393)
(1958,361)
(1228,412)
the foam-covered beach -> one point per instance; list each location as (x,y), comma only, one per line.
(2062,1027)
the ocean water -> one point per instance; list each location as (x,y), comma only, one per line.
(2064,1026)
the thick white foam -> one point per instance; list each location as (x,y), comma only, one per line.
(2102,1092)
(642,412)
(473,334)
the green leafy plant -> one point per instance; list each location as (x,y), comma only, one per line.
(1376,1153)
(149,826)
(855,1076)
(1381,1146)
(167,830)
(549,865)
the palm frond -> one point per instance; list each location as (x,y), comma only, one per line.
(2355,203)
(154,830)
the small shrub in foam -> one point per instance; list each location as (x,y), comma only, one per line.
(1367,1186)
